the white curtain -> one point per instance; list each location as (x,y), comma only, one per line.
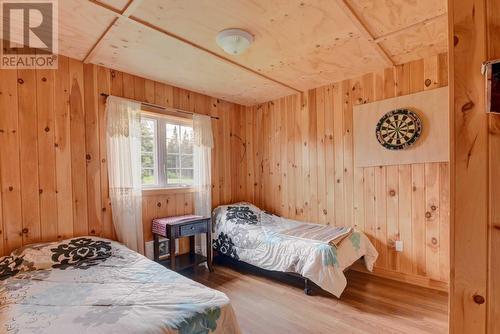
(124,170)
(203,144)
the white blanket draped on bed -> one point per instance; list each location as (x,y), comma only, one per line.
(92,285)
(246,233)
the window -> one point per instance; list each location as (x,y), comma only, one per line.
(166,152)
(148,152)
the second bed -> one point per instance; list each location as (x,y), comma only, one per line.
(246,233)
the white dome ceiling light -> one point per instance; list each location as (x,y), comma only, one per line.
(234,41)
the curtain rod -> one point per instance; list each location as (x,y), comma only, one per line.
(152,105)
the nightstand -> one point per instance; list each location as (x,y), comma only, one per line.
(180,227)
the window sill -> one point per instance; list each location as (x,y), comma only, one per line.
(167,191)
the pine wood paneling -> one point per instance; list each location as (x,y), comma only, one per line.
(28,125)
(417,219)
(475,228)
(53,169)
(104,86)
(46,153)
(309,137)
(392,206)
(64,185)
(405,217)
(78,154)
(2,229)
(470,162)
(330,158)
(493,19)
(92,156)
(351,93)
(9,162)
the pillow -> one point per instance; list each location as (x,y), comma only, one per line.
(34,256)
(242,213)
(9,266)
(82,253)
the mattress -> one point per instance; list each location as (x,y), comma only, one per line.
(244,232)
(93,285)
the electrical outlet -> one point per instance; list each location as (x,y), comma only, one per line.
(399,246)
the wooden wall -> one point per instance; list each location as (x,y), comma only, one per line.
(493,325)
(53,171)
(293,156)
(475,252)
(299,163)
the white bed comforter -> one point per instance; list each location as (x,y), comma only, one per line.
(92,285)
(246,233)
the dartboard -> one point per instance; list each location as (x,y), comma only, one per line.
(398,129)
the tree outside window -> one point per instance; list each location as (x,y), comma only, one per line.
(166,152)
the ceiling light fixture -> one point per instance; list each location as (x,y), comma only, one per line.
(234,41)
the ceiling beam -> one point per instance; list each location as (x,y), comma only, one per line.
(123,14)
(363,29)
(130,8)
(94,47)
(107,7)
(422,23)
(127,14)
(199,47)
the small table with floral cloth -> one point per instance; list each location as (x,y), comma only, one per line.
(180,227)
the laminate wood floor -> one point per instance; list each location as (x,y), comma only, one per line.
(269,302)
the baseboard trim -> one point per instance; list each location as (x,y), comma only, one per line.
(403,277)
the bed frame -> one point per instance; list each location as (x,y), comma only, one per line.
(308,284)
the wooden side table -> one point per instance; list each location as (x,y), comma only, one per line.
(178,229)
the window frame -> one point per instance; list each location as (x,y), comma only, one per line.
(160,146)
(155,154)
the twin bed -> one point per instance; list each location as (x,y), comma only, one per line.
(93,285)
(318,253)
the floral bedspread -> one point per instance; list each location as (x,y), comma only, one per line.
(93,285)
(246,233)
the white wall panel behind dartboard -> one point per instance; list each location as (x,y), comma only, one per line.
(430,106)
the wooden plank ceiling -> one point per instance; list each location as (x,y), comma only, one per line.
(298,45)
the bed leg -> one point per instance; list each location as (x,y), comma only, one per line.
(307,287)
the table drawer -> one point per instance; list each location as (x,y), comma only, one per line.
(192,229)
